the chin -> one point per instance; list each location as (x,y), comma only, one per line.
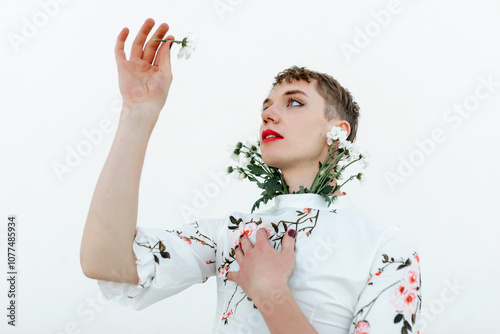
(271,161)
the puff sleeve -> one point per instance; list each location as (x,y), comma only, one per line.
(391,299)
(168,262)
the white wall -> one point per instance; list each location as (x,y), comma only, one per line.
(62,80)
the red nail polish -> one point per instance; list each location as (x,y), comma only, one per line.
(292,233)
(241,236)
(235,248)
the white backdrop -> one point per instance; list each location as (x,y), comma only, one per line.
(425,74)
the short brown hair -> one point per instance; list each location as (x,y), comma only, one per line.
(339,103)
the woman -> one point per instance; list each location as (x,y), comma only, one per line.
(302,266)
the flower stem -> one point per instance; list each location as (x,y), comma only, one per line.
(327,171)
(166,40)
(318,178)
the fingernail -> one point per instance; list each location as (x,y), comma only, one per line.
(236,247)
(241,236)
(292,233)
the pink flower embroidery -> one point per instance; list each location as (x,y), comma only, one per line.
(404,299)
(306,210)
(413,276)
(246,229)
(187,240)
(363,327)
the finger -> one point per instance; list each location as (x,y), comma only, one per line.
(238,254)
(163,57)
(151,45)
(288,242)
(261,236)
(245,243)
(139,40)
(119,46)
(232,276)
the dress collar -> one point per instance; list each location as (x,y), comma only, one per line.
(310,200)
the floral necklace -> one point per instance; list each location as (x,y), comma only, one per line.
(251,166)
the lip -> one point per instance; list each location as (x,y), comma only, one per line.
(270,132)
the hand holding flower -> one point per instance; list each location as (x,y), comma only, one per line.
(145,78)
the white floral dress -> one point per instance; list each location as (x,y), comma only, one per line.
(353,274)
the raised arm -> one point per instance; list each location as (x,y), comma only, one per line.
(106,250)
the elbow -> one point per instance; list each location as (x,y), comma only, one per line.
(86,268)
(86,263)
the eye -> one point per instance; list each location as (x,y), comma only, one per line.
(290,101)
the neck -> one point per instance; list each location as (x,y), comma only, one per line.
(297,177)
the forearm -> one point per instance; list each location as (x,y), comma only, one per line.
(106,250)
(283,315)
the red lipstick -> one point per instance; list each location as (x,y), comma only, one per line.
(270,132)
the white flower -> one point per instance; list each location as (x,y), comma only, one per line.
(193,39)
(238,174)
(336,134)
(244,161)
(189,44)
(230,151)
(184,51)
(346,144)
(365,158)
(252,141)
(354,152)
(361,177)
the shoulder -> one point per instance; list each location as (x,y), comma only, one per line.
(375,231)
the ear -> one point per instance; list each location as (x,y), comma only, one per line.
(343,124)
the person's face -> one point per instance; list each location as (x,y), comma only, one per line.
(296,112)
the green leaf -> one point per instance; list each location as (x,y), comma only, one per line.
(162,246)
(165,255)
(327,190)
(234,221)
(256,204)
(407,325)
(275,227)
(156,259)
(257,170)
(272,185)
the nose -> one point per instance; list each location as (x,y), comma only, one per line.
(270,115)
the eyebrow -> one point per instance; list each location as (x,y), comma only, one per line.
(289,92)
